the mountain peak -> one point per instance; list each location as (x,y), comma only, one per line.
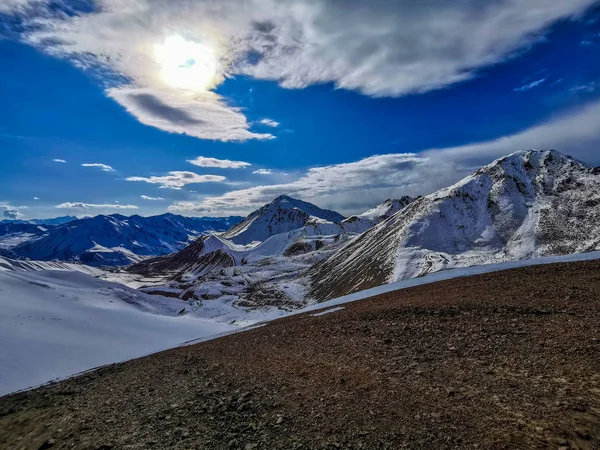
(283,198)
(281,215)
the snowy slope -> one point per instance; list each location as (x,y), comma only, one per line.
(526,205)
(28,265)
(119,240)
(281,215)
(363,222)
(58,323)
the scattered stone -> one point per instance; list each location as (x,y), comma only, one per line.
(48,444)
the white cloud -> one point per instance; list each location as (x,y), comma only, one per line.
(203,115)
(81,205)
(103,167)
(11,212)
(145,197)
(36,198)
(528,86)
(57,160)
(269,123)
(380,48)
(355,186)
(202,161)
(263,172)
(178,179)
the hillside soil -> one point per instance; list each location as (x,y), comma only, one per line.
(508,360)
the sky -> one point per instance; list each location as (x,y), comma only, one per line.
(214,108)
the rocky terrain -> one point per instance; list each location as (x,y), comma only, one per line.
(506,360)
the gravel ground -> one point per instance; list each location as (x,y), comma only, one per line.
(508,360)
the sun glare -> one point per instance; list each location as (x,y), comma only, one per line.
(186,64)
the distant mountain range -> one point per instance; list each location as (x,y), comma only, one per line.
(51,221)
(112,240)
(528,204)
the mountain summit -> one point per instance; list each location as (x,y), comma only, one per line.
(281,215)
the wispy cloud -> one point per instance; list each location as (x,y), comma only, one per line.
(36,198)
(57,160)
(386,49)
(533,84)
(103,167)
(155,199)
(588,87)
(269,123)
(178,179)
(202,161)
(263,172)
(81,205)
(7,6)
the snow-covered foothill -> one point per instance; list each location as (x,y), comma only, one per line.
(57,323)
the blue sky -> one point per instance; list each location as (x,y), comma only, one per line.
(267,99)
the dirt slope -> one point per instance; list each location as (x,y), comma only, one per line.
(508,360)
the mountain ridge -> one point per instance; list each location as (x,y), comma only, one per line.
(527,204)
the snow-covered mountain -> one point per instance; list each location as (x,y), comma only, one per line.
(13,233)
(525,205)
(119,240)
(280,216)
(362,222)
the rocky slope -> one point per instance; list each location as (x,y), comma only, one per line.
(119,240)
(528,204)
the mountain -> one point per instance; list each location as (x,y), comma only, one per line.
(50,221)
(13,233)
(54,220)
(370,218)
(119,240)
(281,215)
(528,204)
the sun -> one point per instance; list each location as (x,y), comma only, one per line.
(186,64)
